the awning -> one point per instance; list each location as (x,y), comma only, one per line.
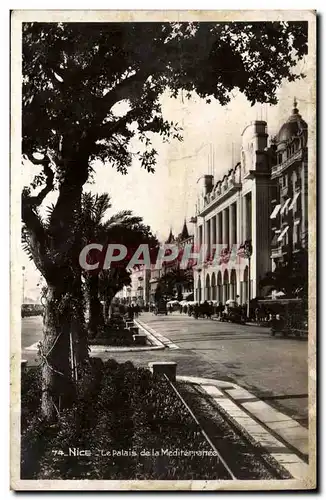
(294,200)
(275,212)
(285,205)
(283,233)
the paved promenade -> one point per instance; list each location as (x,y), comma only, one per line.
(273,368)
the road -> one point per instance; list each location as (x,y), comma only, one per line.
(275,369)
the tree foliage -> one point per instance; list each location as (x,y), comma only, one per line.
(173,282)
(74,74)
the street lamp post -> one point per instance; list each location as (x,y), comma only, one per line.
(23,270)
(248,254)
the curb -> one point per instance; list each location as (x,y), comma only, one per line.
(281,436)
(146,329)
(104,348)
(154,336)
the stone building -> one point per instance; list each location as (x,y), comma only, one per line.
(139,290)
(159,269)
(289,204)
(231,211)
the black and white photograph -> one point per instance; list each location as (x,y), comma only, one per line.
(163,250)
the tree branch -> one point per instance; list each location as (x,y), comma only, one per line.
(109,128)
(35,201)
(123,89)
(37,237)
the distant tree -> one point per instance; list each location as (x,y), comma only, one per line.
(111,282)
(174,281)
(73,76)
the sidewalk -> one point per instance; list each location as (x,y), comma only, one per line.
(281,436)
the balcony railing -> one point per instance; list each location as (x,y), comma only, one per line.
(277,169)
(219,195)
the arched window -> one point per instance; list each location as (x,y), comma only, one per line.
(198,290)
(219,286)
(213,287)
(244,286)
(226,287)
(233,284)
(208,288)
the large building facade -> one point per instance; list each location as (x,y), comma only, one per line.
(260,204)
(230,212)
(289,210)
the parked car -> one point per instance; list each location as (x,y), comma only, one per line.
(160,308)
(287,316)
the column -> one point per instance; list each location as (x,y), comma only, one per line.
(201,239)
(213,231)
(224,296)
(249,216)
(244,219)
(239,221)
(231,225)
(208,237)
(219,227)
(200,242)
(235,223)
(225,232)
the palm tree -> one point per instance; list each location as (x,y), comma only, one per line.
(122,227)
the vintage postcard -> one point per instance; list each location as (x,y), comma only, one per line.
(163,249)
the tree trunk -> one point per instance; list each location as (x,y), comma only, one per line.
(55,251)
(107,303)
(66,242)
(78,325)
(57,383)
(96,317)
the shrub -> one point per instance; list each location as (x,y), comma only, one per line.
(119,407)
(113,337)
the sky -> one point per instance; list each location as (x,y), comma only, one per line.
(211,144)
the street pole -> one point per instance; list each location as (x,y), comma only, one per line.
(249,278)
(23,269)
(248,253)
